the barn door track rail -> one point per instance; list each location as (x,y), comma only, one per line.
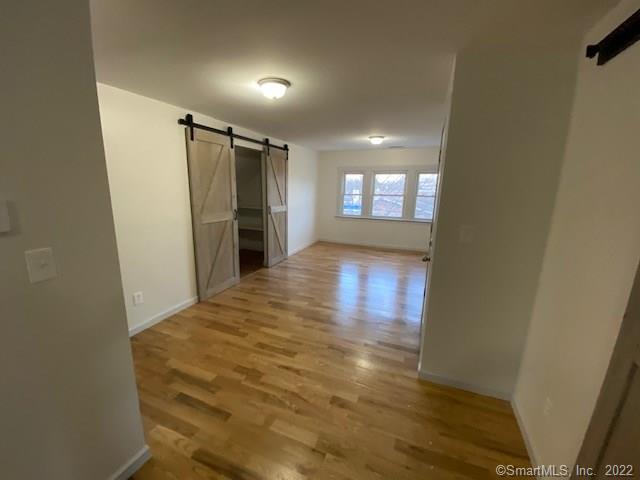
(621,38)
(188,122)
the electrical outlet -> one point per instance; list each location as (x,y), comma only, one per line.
(40,264)
(548,406)
(138,298)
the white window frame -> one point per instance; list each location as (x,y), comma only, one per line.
(415,195)
(341,193)
(387,171)
(410,191)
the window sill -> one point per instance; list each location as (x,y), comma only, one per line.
(384,219)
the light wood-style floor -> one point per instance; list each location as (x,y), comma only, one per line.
(308,371)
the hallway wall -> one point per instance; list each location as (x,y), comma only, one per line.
(69,405)
(587,272)
(507,132)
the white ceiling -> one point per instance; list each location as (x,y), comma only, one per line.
(358,67)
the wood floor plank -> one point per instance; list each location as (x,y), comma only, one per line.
(308,371)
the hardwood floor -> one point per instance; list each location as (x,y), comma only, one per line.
(308,371)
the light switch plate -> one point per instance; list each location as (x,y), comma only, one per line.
(40,264)
(5,221)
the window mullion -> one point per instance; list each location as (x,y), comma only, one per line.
(341,181)
(367,190)
(411,192)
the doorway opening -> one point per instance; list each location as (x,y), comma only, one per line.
(251,213)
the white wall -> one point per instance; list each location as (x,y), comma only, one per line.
(303,198)
(69,406)
(381,233)
(507,130)
(591,255)
(146,161)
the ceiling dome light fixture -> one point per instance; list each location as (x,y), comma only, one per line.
(376,139)
(274,87)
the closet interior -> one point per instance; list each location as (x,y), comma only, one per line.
(251,213)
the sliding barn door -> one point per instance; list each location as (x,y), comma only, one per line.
(276,192)
(212,181)
(611,446)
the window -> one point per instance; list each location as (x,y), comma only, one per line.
(404,194)
(425,196)
(353,192)
(388,194)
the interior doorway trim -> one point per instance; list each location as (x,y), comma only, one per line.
(188,122)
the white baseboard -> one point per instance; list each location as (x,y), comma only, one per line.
(133,465)
(450,382)
(299,249)
(374,245)
(525,435)
(162,315)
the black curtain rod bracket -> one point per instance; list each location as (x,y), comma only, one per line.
(188,122)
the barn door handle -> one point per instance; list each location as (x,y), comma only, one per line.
(235,214)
